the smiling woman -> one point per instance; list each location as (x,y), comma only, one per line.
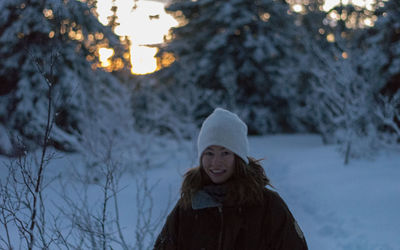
(224,202)
(145,23)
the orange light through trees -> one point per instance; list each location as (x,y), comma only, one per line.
(105,54)
(146,23)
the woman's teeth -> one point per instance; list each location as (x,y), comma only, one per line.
(217,171)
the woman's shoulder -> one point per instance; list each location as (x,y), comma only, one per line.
(273,200)
(283,216)
(271,194)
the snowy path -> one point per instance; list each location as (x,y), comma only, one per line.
(338,207)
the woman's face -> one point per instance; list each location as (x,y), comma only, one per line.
(219,163)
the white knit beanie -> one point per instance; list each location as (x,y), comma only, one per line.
(226,129)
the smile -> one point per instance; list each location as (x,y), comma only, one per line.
(217,171)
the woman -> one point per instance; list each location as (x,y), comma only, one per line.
(224,202)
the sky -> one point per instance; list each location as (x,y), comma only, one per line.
(329,4)
(141,27)
(144,30)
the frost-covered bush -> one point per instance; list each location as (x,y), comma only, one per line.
(388,112)
(342,105)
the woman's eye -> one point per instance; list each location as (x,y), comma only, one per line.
(208,153)
(226,153)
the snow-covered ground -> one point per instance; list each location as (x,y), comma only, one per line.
(339,207)
(349,207)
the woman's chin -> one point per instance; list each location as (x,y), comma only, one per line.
(218,179)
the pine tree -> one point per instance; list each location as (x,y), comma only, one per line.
(385,35)
(241,50)
(58,40)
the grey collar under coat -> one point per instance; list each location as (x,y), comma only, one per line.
(201,199)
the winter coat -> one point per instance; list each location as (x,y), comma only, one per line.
(209,225)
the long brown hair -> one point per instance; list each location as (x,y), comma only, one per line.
(245,186)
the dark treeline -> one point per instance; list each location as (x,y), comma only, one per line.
(333,72)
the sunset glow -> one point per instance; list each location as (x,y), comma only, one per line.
(368,4)
(142,59)
(105,54)
(147,24)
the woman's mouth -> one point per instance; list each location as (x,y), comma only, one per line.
(217,171)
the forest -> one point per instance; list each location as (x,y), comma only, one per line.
(285,67)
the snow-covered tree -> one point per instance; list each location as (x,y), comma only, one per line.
(343,104)
(388,112)
(57,39)
(237,49)
(386,35)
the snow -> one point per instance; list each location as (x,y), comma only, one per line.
(5,142)
(354,206)
(338,206)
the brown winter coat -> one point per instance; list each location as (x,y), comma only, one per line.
(209,225)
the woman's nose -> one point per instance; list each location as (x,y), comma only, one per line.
(216,160)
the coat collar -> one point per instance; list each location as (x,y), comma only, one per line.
(201,199)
